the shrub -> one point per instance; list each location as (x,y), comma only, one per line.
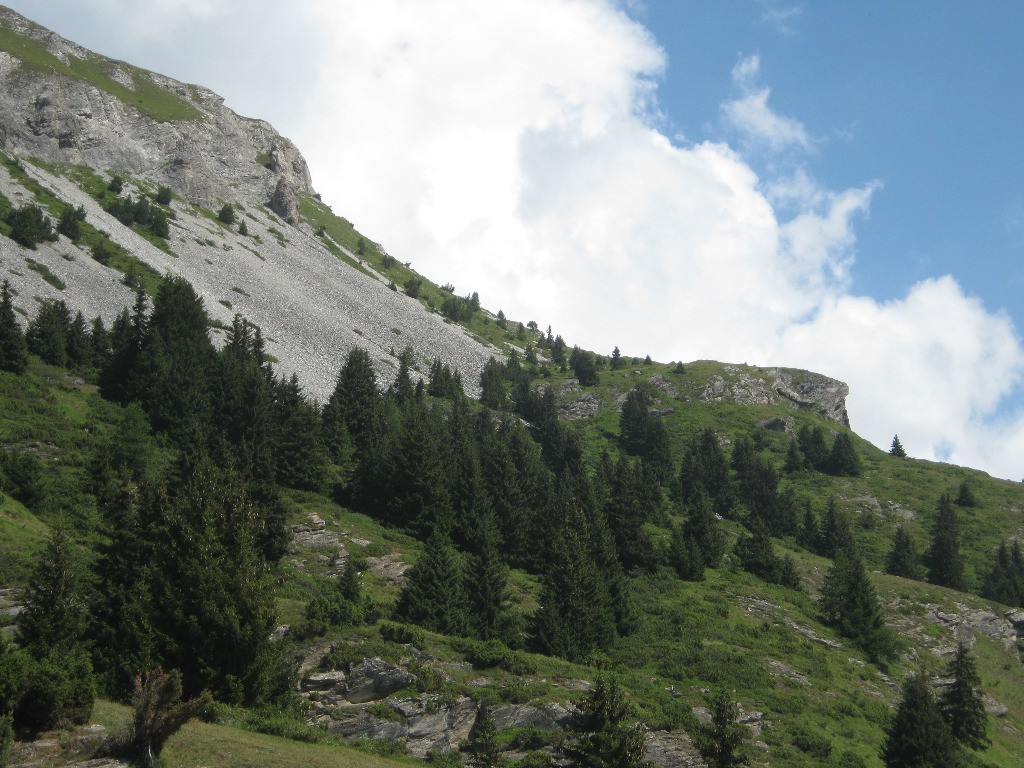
(403,634)
(61,692)
(226,214)
(163,195)
(814,743)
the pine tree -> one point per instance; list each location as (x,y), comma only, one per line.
(918,737)
(897,449)
(902,559)
(945,563)
(605,734)
(961,704)
(965,496)
(486,585)
(13,349)
(685,555)
(720,742)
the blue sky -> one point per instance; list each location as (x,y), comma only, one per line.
(836,186)
(926,98)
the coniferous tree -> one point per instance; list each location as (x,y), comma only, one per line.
(482,746)
(808,535)
(13,349)
(945,563)
(434,595)
(702,527)
(965,496)
(576,614)
(902,559)
(811,441)
(47,332)
(849,603)
(685,556)
(605,734)
(794,458)
(418,487)
(917,736)
(835,533)
(488,616)
(721,741)
(961,703)
(54,619)
(584,367)
(897,449)
(842,459)
(1004,583)
(704,469)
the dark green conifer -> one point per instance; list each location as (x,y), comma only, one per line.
(576,615)
(47,333)
(434,595)
(811,441)
(702,527)
(843,460)
(965,496)
(835,533)
(1004,583)
(902,559)
(55,617)
(897,449)
(489,616)
(721,742)
(794,459)
(945,563)
(685,556)
(849,603)
(605,731)
(13,349)
(917,736)
(482,746)
(961,703)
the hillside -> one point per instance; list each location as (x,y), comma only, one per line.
(359,567)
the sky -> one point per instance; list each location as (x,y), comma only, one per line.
(835,187)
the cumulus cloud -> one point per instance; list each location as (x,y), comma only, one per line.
(751,116)
(512,148)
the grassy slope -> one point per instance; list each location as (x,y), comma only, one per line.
(144,94)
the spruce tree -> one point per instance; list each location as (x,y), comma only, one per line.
(482,746)
(902,559)
(605,733)
(945,563)
(47,332)
(434,595)
(917,736)
(13,349)
(576,614)
(721,741)
(834,534)
(961,704)
(702,527)
(843,460)
(1004,583)
(965,496)
(849,603)
(897,449)
(685,556)
(54,619)
(486,584)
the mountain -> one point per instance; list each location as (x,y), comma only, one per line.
(678,530)
(72,120)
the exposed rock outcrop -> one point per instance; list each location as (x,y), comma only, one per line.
(800,389)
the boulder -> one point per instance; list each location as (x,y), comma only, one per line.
(373,679)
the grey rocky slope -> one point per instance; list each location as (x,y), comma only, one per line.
(312,306)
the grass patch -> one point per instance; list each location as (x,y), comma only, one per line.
(46,274)
(144,95)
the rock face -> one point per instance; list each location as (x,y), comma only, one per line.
(214,156)
(800,389)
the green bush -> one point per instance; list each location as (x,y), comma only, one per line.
(403,634)
(814,743)
(61,692)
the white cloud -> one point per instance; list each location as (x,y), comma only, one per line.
(510,148)
(754,119)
